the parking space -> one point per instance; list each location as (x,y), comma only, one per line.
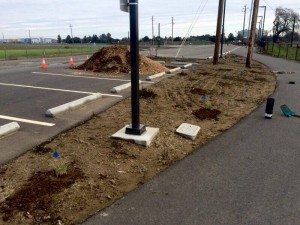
(80,83)
(26,94)
(3,122)
(32,103)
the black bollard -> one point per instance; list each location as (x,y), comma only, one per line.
(269,108)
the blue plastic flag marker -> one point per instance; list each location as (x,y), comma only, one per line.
(204,98)
(55,154)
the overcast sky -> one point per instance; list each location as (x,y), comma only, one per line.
(50,18)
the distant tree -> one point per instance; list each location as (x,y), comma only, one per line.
(95,39)
(178,39)
(239,36)
(200,38)
(109,38)
(103,38)
(230,37)
(84,40)
(89,39)
(124,39)
(146,39)
(283,22)
(77,40)
(288,37)
(212,38)
(59,39)
(68,39)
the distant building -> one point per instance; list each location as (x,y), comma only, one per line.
(29,41)
(43,40)
(26,40)
(36,40)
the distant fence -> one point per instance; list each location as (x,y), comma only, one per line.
(19,51)
(287,51)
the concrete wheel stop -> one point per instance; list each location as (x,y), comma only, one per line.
(9,128)
(144,139)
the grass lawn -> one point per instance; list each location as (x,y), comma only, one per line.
(283,51)
(18,51)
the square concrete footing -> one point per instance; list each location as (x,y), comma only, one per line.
(144,139)
(188,130)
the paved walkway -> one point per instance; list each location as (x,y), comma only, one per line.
(249,175)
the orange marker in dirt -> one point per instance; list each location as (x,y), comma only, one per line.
(71,61)
(44,65)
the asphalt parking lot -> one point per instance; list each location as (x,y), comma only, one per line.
(27,91)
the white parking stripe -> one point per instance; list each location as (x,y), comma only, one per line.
(66,75)
(44,88)
(55,89)
(86,77)
(27,121)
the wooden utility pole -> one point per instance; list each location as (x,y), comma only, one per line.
(218,32)
(252,34)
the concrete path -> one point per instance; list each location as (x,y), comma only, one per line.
(249,175)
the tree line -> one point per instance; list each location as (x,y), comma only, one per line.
(103,38)
(286,21)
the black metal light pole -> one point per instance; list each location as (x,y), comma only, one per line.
(222,38)
(135,128)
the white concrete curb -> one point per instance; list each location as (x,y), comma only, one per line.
(121,87)
(149,78)
(161,62)
(186,65)
(174,70)
(9,128)
(71,105)
(179,63)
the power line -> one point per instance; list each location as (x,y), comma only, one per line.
(198,13)
(269,5)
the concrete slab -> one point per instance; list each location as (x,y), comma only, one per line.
(144,139)
(188,130)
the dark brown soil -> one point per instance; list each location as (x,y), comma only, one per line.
(34,199)
(116,59)
(146,93)
(198,91)
(205,113)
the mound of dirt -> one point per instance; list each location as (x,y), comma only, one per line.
(116,59)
